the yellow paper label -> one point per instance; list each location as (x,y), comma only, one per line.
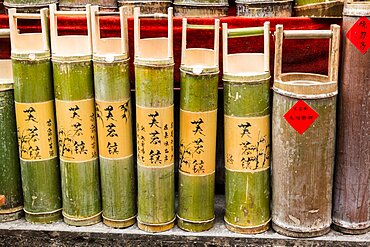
(155,136)
(76,130)
(247,143)
(113,120)
(36,130)
(198,142)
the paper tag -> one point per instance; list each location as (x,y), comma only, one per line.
(301,116)
(155,136)
(198,142)
(247,143)
(359,34)
(113,120)
(36,130)
(76,130)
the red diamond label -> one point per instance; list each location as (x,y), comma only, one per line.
(359,34)
(301,116)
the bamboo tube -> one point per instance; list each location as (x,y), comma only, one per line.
(36,120)
(11,201)
(351,214)
(303,151)
(75,110)
(113,108)
(154,125)
(198,122)
(247,134)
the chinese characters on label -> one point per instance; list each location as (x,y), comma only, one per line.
(113,120)
(198,142)
(359,34)
(155,136)
(76,130)
(36,130)
(247,143)
(301,116)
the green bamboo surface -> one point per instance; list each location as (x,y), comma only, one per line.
(196,193)
(73,81)
(302,165)
(156,190)
(118,184)
(247,193)
(33,83)
(10,177)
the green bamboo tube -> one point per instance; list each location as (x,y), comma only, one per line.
(75,110)
(114,125)
(247,187)
(198,108)
(303,152)
(36,123)
(154,128)
(10,176)
(247,134)
(198,124)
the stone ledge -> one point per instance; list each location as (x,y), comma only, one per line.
(22,233)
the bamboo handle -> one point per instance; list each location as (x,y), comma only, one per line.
(307,34)
(69,13)
(245,32)
(225,52)
(107,14)
(5,33)
(278,51)
(27,16)
(155,15)
(202,27)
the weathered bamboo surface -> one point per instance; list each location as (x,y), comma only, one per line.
(321,8)
(352,175)
(303,158)
(146,6)
(71,5)
(271,8)
(201,8)
(28,6)
(11,204)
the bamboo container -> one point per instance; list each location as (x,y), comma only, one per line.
(351,213)
(75,110)
(303,157)
(11,201)
(319,8)
(154,127)
(247,133)
(263,8)
(80,5)
(198,122)
(201,8)
(113,116)
(34,104)
(28,6)
(146,6)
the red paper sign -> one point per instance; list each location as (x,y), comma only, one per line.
(2,200)
(359,34)
(301,116)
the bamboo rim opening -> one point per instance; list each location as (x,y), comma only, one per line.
(198,60)
(245,64)
(153,49)
(6,71)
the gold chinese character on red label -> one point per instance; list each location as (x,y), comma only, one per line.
(36,130)
(76,130)
(198,142)
(114,129)
(155,136)
(247,143)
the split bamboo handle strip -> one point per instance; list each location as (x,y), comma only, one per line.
(70,13)
(107,14)
(4,33)
(155,15)
(27,16)
(245,32)
(307,34)
(202,27)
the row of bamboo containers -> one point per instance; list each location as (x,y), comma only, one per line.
(199,8)
(87,88)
